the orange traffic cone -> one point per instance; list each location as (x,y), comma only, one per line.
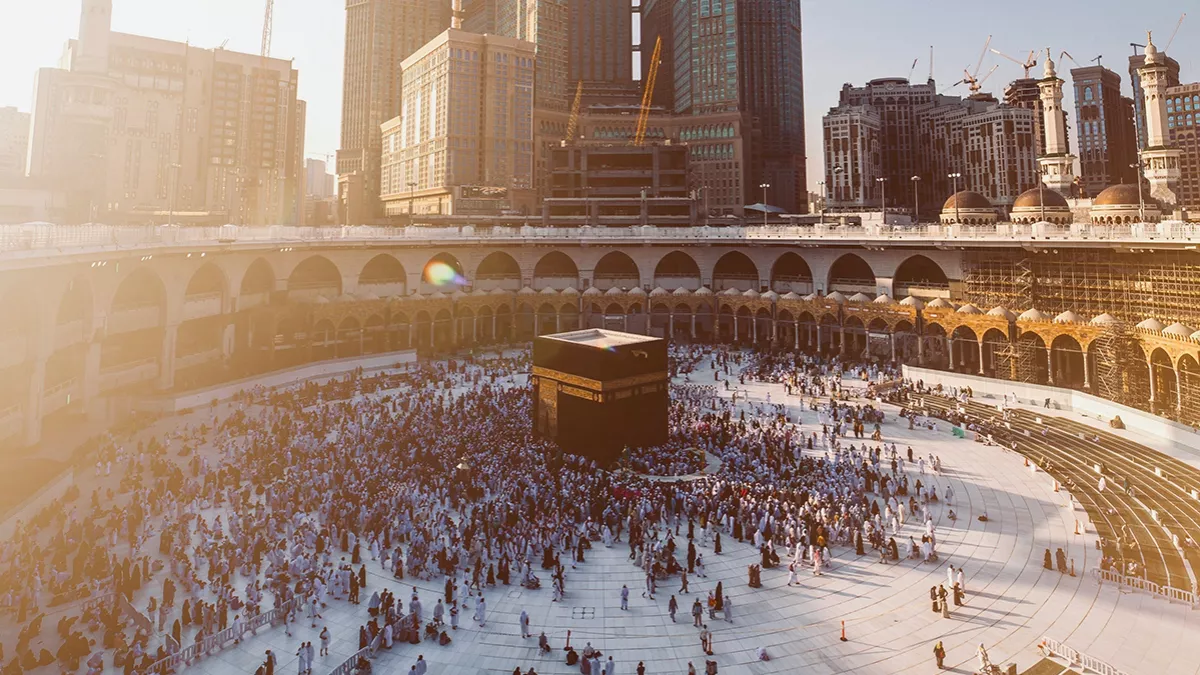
(1077,527)
(1056,486)
(843,631)
(1026,461)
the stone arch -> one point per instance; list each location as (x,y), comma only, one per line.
(315,276)
(677,270)
(851,274)
(497,270)
(207,280)
(919,272)
(384,276)
(735,270)
(258,279)
(1189,388)
(1067,362)
(791,274)
(1162,369)
(905,336)
(443,272)
(1032,344)
(555,270)
(994,341)
(616,268)
(966,349)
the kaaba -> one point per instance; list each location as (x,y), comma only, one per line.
(599,391)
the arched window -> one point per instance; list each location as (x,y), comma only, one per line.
(1087,94)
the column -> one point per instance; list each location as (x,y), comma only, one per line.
(494,336)
(735,328)
(432,331)
(91,376)
(625,322)
(842,340)
(33,403)
(892,339)
(818,338)
(693,325)
(921,349)
(166,360)
(774,329)
(1050,366)
(474,328)
(557,321)
(796,326)
(981,371)
(1178,393)
(754,330)
(1153,385)
(671,325)
(1087,372)
(949,353)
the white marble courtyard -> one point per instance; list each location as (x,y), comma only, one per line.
(1012,602)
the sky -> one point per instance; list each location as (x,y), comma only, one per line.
(844,41)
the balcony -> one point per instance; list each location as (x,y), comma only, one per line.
(129,373)
(133,319)
(60,396)
(197,359)
(201,305)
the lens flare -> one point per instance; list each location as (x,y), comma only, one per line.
(441,274)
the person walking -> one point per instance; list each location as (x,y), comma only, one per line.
(706,639)
(942,601)
(672,607)
(325,641)
(525,624)
(684,579)
(697,612)
(624,597)
(939,654)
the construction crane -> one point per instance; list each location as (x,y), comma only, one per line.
(912,70)
(930,78)
(639,134)
(1097,60)
(976,83)
(1068,55)
(1029,64)
(268,22)
(971,78)
(573,121)
(1176,32)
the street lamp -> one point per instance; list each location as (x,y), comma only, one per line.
(916,180)
(1138,177)
(883,196)
(764,187)
(823,198)
(955,176)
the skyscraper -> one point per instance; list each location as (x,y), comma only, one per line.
(723,56)
(543,23)
(14,142)
(600,41)
(379,35)
(1183,132)
(1106,146)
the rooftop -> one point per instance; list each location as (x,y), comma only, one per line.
(600,338)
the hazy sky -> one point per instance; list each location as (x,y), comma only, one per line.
(844,41)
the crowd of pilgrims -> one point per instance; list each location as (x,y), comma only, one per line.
(431,472)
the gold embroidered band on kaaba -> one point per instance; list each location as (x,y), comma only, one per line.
(598,385)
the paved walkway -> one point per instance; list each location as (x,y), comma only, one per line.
(1011,600)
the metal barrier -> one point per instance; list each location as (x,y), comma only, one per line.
(217,641)
(1170,593)
(348,666)
(1053,647)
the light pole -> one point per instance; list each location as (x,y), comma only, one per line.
(955,176)
(174,190)
(916,180)
(765,187)
(883,197)
(1138,177)
(823,198)
(412,189)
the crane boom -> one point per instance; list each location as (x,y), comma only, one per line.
(639,135)
(1028,64)
(1176,32)
(979,64)
(573,122)
(268,21)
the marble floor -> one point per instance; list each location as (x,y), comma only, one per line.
(1012,602)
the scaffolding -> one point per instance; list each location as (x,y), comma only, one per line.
(1017,361)
(1112,353)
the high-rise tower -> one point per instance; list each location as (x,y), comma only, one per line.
(1056,162)
(1159,161)
(379,35)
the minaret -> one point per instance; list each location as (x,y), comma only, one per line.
(1159,162)
(456,14)
(95,27)
(1057,164)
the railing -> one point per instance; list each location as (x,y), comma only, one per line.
(1170,593)
(1053,647)
(55,238)
(217,641)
